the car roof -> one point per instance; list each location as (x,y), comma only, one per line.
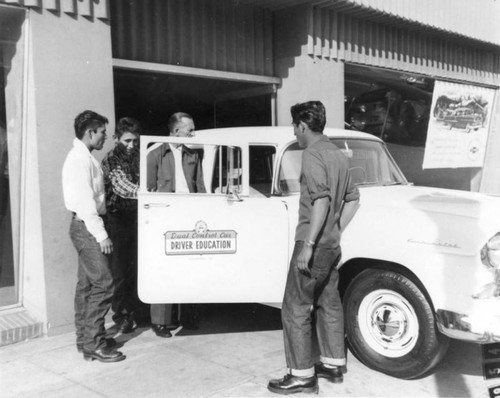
(279,135)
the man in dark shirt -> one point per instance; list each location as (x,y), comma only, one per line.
(121,181)
(328,201)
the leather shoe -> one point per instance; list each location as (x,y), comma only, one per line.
(333,375)
(293,384)
(161,331)
(124,325)
(105,354)
(110,342)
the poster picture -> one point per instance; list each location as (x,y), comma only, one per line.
(458,126)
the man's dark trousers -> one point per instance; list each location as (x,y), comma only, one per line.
(94,288)
(319,291)
(122,229)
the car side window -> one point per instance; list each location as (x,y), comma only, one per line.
(289,170)
(227,170)
(261,169)
(369,164)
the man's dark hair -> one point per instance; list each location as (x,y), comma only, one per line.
(127,125)
(88,120)
(176,118)
(311,113)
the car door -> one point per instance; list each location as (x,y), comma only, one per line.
(221,246)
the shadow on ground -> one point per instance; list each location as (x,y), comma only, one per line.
(234,318)
(462,359)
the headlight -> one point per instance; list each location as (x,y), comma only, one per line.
(490,256)
(490,253)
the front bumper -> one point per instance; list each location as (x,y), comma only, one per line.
(480,329)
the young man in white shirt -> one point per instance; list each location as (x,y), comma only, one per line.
(84,196)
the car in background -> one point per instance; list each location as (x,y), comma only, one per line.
(419,265)
(390,114)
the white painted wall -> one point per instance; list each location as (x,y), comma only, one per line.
(71,71)
(304,77)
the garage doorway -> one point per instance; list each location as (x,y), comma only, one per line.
(152,97)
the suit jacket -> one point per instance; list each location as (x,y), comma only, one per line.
(161,170)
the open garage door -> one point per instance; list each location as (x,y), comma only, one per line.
(152,92)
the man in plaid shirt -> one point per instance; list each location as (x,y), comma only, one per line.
(121,181)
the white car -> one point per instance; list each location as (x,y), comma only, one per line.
(419,265)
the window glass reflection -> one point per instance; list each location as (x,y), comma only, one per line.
(395,106)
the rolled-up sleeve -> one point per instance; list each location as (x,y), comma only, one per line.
(315,175)
(352,192)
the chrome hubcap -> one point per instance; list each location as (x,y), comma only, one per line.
(388,323)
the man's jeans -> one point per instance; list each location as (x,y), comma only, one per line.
(122,229)
(302,294)
(94,288)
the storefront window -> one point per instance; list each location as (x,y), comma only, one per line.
(396,106)
(11,83)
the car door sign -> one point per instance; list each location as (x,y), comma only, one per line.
(200,240)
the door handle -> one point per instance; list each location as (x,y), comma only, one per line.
(233,196)
(149,205)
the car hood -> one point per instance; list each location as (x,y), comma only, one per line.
(436,200)
(435,216)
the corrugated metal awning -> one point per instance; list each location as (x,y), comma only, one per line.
(85,8)
(476,20)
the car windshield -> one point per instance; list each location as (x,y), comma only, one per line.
(369,161)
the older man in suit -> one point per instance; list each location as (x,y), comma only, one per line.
(174,168)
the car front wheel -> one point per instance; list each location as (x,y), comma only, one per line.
(390,325)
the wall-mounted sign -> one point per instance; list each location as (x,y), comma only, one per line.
(458,126)
(200,240)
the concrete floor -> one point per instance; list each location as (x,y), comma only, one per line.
(235,352)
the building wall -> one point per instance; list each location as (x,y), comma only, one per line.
(489,181)
(476,19)
(304,77)
(69,74)
(364,40)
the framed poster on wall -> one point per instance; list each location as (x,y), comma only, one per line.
(458,126)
